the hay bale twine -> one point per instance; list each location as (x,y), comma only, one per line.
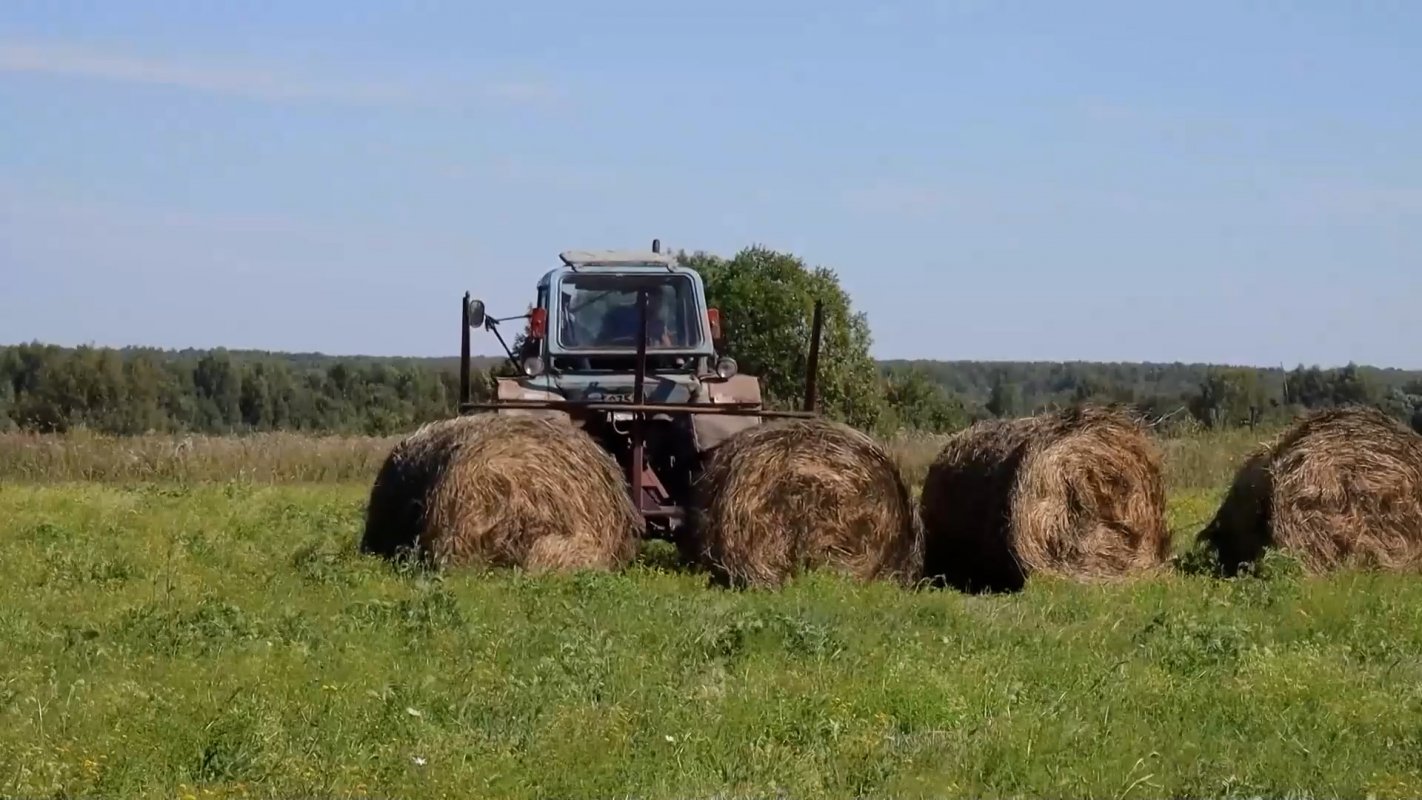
(503,490)
(1077,493)
(788,496)
(1340,488)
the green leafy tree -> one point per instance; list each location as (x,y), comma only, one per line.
(1316,388)
(7,405)
(914,402)
(767,300)
(141,409)
(218,381)
(1230,398)
(1005,399)
(1351,386)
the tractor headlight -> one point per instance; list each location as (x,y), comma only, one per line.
(726,367)
(533,365)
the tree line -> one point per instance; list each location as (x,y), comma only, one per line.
(765,298)
(48,389)
(1200,395)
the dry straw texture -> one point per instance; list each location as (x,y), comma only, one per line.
(1077,493)
(797,495)
(1340,488)
(494,490)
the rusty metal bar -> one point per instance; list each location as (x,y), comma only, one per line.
(812,369)
(727,409)
(639,380)
(517,367)
(464,350)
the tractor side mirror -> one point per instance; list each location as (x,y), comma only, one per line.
(476,313)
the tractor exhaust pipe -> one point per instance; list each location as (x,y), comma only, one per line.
(812,369)
(656,245)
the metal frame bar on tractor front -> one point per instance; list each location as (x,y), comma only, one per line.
(639,408)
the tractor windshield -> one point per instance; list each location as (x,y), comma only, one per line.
(599,312)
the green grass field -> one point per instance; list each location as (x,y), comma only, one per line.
(186,635)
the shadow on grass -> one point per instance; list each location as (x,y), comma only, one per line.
(1203,559)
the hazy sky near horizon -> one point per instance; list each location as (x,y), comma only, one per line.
(1224,182)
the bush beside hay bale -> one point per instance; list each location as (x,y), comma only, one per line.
(1340,488)
(790,496)
(500,490)
(1077,493)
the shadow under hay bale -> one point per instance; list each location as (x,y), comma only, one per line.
(1078,493)
(1340,488)
(797,495)
(500,491)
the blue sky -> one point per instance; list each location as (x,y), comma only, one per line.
(1225,182)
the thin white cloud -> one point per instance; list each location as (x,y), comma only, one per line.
(74,61)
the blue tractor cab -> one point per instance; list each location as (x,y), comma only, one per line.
(592,313)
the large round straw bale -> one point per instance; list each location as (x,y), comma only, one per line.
(1340,488)
(795,495)
(1076,493)
(394,514)
(503,490)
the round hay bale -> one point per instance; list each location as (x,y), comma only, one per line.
(503,490)
(394,514)
(789,496)
(1340,488)
(1077,493)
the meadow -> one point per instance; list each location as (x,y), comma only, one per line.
(190,617)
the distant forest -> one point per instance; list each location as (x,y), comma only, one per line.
(46,388)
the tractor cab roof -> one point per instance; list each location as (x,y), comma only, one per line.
(581,259)
(592,262)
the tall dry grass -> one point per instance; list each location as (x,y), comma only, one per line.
(259,458)
(1205,460)
(1208,460)
(913,453)
(1194,461)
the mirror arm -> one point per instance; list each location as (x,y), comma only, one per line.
(489,324)
(492,325)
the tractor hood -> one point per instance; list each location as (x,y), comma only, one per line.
(707,430)
(616,388)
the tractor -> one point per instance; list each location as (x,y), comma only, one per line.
(624,344)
